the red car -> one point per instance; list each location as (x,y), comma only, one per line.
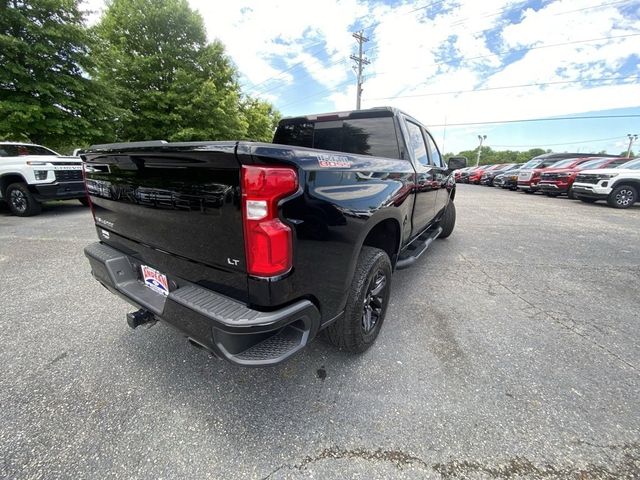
(476,175)
(529,173)
(558,179)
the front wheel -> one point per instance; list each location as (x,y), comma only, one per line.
(20,200)
(366,307)
(623,196)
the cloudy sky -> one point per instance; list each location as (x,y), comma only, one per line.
(447,62)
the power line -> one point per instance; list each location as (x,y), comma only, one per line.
(371,27)
(337,87)
(558,144)
(526,49)
(527,120)
(505,87)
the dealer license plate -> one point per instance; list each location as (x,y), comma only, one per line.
(155,280)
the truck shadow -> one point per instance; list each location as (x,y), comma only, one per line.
(292,399)
(288,398)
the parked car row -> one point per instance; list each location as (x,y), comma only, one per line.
(585,177)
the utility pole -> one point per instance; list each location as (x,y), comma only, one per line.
(632,138)
(482,138)
(360,63)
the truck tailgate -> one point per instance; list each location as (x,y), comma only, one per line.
(183,199)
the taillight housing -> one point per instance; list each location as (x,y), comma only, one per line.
(268,241)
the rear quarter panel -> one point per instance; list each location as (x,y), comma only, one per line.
(341,197)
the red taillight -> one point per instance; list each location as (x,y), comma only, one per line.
(267,239)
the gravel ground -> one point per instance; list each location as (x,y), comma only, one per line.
(509,350)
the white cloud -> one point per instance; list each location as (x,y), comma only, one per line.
(259,34)
(414,51)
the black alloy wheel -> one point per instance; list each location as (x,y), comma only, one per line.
(21,201)
(18,201)
(374,301)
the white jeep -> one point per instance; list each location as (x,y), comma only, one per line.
(619,186)
(31,174)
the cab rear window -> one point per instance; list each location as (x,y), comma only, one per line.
(363,136)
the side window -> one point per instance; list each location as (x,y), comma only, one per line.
(435,154)
(416,143)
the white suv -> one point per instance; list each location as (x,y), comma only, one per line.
(619,186)
(31,174)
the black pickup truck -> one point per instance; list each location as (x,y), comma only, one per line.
(251,249)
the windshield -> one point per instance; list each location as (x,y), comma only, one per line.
(563,163)
(22,150)
(632,165)
(531,164)
(592,164)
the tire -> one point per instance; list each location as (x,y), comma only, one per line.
(623,196)
(528,192)
(586,199)
(20,200)
(84,201)
(570,194)
(354,332)
(448,220)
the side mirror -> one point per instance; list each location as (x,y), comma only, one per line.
(454,163)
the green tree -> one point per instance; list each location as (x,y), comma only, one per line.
(491,157)
(46,93)
(261,118)
(172,83)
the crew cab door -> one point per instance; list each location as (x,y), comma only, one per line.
(441,174)
(426,189)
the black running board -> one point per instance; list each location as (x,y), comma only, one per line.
(416,248)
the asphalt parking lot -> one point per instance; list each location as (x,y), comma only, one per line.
(509,350)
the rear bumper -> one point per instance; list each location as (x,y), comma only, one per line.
(226,327)
(59,191)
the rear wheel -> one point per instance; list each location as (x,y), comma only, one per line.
(623,196)
(20,200)
(448,220)
(366,307)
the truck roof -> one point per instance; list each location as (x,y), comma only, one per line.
(368,112)
(23,143)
